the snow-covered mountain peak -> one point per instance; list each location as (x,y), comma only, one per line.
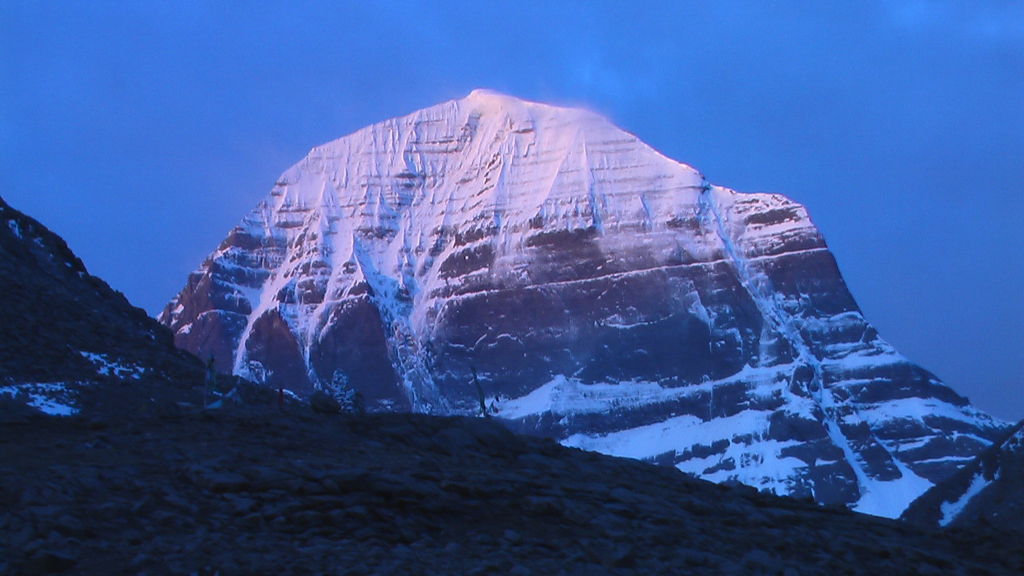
(602,293)
(488,161)
(487,93)
(487,100)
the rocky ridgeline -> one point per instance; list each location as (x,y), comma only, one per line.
(167,488)
(62,326)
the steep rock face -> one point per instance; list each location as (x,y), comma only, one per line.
(604,294)
(989,489)
(62,329)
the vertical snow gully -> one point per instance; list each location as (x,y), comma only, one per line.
(403,348)
(239,364)
(758,286)
(589,182)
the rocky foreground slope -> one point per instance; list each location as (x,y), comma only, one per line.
(154,488)
(63,330)
(604,294)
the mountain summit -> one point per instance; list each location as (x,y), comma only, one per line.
(542,262)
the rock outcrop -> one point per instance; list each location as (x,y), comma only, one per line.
(605,295)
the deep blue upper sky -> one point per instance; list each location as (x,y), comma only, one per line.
(143,133)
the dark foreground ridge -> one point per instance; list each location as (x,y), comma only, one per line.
(60,324)
(166,488)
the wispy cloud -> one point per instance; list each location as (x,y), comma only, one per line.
(994,21)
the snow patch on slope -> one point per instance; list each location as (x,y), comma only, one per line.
(950,510)
(758,463)
(15,228)
(53,398)
(567,396)
(105,366)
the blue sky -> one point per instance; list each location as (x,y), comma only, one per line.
(142,132)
